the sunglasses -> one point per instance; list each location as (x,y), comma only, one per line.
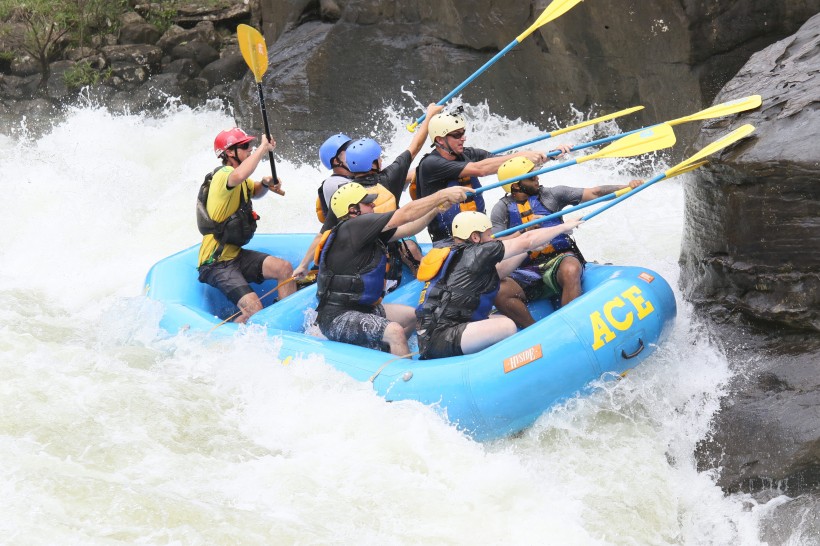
(457,134)
(243,146)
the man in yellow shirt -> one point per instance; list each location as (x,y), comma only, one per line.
(227,221)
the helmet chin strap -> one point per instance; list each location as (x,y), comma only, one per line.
(446,148)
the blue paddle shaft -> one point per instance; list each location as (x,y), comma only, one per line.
(475,74)
(627,195)
(558,214)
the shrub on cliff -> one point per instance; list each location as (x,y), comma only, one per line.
(50,26)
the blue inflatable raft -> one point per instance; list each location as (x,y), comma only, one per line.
(624,313)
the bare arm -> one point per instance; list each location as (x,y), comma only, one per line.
(490,165)
(536,238)
(600,191)
(420,136)
(245,169)
(414,227)
(302,268)
(418,208)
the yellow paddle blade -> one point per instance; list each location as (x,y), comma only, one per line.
(651,139)
(596,120)
(254,51)
(687,169)
(717,145)
(556,9)
(723,109)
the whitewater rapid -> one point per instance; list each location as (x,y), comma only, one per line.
(113,431)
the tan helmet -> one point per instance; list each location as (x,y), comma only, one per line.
(349,194)
(512,168)
(444,124)
(468,222)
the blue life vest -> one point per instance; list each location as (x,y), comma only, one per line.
(534,206)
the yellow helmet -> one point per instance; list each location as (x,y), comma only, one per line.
(467,222)
(349,194)
(444,124)
(512,168)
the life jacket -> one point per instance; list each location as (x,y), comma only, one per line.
(362,289)
(521,213)
(442,300)
(321,203)
(321,206)
(238,228)
(439,226)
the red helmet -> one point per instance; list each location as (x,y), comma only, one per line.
(230,137)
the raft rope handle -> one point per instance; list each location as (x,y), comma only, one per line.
(383,366)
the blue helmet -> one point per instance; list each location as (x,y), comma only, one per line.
(361,154)
(330,148)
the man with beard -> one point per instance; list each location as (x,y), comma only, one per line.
(556,270)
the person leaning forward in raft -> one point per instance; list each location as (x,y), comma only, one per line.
(554,271)
(451,163)
(453,316)
(227,221)
(352,260)
(362,158)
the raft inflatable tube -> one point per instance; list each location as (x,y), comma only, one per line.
(625,312)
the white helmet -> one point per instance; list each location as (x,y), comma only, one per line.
(468,222)
(443,124)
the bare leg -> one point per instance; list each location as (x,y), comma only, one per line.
(404,315)
(569,279)
(279,269)
(512,303)
(480,335)
(395,337)
(248,305)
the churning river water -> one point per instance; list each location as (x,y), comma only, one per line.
(113,431)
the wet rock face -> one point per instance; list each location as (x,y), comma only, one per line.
(767,435)
(671,56)
(752,222)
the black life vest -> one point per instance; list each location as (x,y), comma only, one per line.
(439,227)
(363,289)
(443,301)
(238,228)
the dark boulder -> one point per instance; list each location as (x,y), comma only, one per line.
(670,56)
(136,30)
(227,70)
(752,221)
(767,435)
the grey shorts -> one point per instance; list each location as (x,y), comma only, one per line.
(441,341)
(232,277)
(365,329)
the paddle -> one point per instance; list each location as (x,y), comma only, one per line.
(556,9)
(269,292)
(585,204)
(568,129)
(255,52)
(684,166)
(651,139)
(717,111)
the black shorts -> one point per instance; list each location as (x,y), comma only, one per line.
(441,341)
(232,277)
(356,327)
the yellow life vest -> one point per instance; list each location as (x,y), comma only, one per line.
(526,213)
(431,263)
